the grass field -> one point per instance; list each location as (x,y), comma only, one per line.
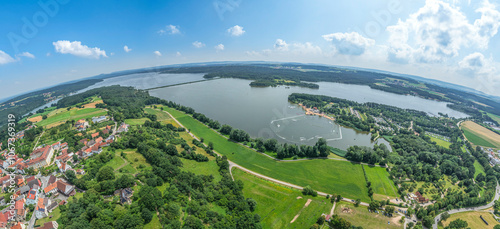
(154,224)
(138,121)
(136,159)
(479,169)
(494,117)
(473,220)
(202,168)
(478,135)
(278,205)
(329,176)
(360,216)
(161,116)
(55,215)
(440,142)
(73,114)
(381,183)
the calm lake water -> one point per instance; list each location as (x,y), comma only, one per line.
(266,112)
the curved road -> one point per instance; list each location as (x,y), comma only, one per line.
(453,211)
(232,164)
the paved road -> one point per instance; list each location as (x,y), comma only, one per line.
(497,195)
(232,164)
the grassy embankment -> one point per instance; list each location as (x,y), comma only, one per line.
(329,176)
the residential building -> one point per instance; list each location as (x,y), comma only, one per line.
(32,197)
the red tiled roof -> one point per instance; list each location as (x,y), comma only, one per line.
(31,194)
(50,187)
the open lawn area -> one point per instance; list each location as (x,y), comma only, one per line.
(160,115)
(473,220)
(360,216)
(73,114)
(330,176)
(56,213)
(137,121)
(381,183)
(136,159)
(478,135)
(278,205)
(479,169)
(440,142)
(202,168)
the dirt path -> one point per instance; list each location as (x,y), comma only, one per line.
(38,140)
(333,208)
(298,214)
(232,164)
(123,165)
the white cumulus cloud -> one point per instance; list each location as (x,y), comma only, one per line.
(198,44)
(438,31)
(178,54)
(76,48)
(127,49)
(27,54)
(219,47)
(171,29)
(157,53)
(280,45)
(5,58)
(236,31)
(349,43)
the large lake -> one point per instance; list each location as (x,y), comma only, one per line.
(266,112)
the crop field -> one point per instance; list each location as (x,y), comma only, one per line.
(73,114)
(278,205)
(330,176)
(360,216)
(473,220)
(381,183)
(440,142)
(494,117)
(478,135)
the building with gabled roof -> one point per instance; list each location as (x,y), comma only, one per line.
(32,197)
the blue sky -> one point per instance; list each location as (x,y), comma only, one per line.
(52,41)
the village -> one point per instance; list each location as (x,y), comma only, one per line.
(36,196)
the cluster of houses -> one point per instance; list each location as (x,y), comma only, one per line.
(492,156)
(46,193)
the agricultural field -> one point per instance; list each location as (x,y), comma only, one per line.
(278,205)
(478,135)
(494,117)
(330,176)
(360,216)
(440,142)
(73,114)
(473,220)
(381,183)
